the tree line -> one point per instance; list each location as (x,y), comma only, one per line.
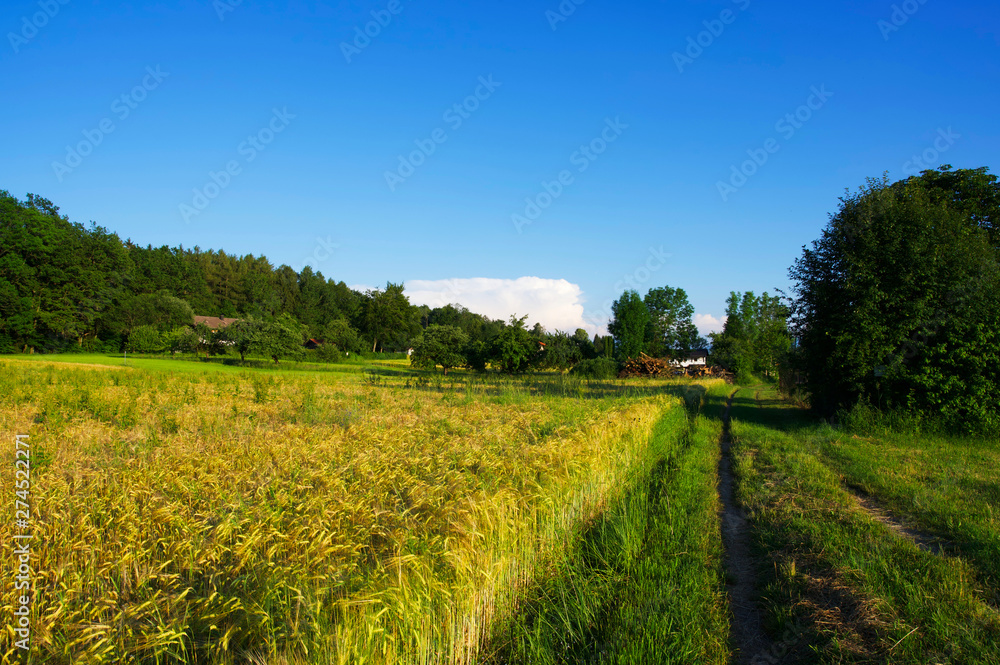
(66,287)
(896,306)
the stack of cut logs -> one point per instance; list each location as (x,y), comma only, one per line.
(720,373)
(647,366)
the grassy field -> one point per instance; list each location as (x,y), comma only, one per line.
(843,578)
(189,363)
(219,516)
(199,512)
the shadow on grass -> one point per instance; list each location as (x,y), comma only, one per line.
(494,385)
(771,411)
(570,617)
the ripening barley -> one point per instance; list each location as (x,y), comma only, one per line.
(225,518)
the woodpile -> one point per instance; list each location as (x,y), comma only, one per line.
(647,366)
(717,372)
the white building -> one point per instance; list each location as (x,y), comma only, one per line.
(696,357)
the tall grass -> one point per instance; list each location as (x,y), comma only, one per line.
(642,583)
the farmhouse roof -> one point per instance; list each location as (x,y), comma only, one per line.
(698,353)
(214,322)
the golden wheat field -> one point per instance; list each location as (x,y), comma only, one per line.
(227,518)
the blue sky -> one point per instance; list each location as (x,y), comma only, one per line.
(528,157)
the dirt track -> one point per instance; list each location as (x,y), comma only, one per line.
(748,637)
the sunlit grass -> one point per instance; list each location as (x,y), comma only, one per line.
(843,585)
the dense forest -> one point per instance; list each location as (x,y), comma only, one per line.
(65,287)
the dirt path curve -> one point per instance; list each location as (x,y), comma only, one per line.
(748,637)
(880,513)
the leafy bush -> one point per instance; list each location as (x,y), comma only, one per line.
(439,345)
(329,353)
(183,339)
(596,368)
(145,339)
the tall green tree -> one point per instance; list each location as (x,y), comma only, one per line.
(671,331)
(243,336)
(340,333)
(283,338)
(513,349)
(386,315)
(629,325)
(755,337)
(561,350)
(898,302)
(56,277)
(585,344)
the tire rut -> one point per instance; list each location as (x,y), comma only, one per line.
(874,509)
(921,539)
(747,636)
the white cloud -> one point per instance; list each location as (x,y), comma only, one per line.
(555,303)
(706,323)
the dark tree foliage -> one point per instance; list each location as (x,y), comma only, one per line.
(755,338)
(339,333)
(513,349)
(63,286)
(56,277)
(582,340)
(561,351)
(898,302)
(385,315)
